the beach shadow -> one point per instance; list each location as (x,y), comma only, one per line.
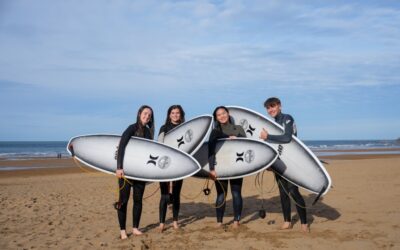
(253,204)
(320,209)
(191,212)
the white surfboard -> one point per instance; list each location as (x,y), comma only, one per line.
(298,164)
(189,136)
(144,159)
(236,158)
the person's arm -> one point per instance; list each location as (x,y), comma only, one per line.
(126,136)
(286,137)
(212,143)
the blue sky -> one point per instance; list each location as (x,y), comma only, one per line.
(80,67)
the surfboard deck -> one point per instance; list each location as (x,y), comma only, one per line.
(144,160)
(189,136)
(236,158)
(298,164)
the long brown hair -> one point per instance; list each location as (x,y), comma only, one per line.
(150,124)
(168,119)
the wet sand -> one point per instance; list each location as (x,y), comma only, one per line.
(66,207)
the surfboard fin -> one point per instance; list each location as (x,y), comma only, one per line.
(324,162)
(319,195)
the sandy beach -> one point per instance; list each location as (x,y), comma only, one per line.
(66,207)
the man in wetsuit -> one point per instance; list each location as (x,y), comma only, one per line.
(274,109)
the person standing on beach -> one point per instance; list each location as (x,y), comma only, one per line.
(274,109)
(144,128)
(225,128)
(175,116)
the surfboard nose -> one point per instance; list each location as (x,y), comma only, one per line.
(70,147)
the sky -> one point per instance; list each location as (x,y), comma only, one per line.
(71,68)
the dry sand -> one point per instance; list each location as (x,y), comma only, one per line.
(67,208)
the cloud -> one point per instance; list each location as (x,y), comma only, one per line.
(228,41)
(112,56)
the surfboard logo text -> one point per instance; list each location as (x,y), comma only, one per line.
(249,156)
(189,135)
(116,153)
(152,160)
(180,141)
(239,156)
(188,138)
(280,150)
(164,162)
(246,126)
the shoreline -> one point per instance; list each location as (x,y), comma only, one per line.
(358,150)
(47,165)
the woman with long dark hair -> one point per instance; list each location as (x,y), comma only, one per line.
(225,128)
(144,128)
(175,116)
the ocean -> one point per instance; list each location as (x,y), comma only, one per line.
(15,150)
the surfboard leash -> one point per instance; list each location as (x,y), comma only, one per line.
(155,191)
(259,183)
(111,189)
(207,191)
(202,190)
(81,167)
(144,198)
(223,190)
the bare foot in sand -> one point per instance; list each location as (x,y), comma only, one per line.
(235,225)
(219,225)
(305,228)
(136,231)
(123,235)
(161,227)
(176,226)
(286,225)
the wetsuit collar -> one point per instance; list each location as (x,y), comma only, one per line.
(227,125)
(279,116)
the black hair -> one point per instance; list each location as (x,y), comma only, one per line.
(168,119)
(217,125)
(150,124)
(272,101)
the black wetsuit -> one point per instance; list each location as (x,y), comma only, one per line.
(164,186)
(222,185)
(125,188)
(289,126)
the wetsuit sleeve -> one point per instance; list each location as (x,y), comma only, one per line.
(286,137)
(161,134)
(241,132)
(128,133)
(212,143)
